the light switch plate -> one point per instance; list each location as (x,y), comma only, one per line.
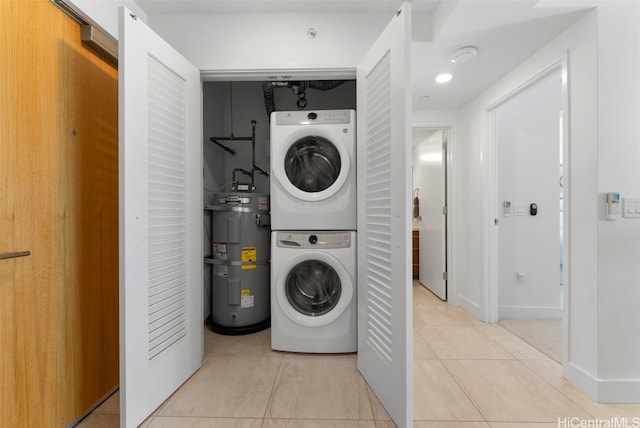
(631,207)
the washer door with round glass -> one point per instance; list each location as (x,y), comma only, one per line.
(313,289)
(313,167)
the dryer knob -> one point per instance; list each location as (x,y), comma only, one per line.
(312,116)
(313,239)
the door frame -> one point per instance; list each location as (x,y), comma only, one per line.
(279,74)
(453,218)
(491,208)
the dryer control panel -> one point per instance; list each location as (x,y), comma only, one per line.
(309,240)
(316,117)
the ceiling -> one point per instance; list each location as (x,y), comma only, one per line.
(257,6)
(505,32)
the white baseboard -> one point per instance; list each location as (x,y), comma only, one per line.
(471,307)
(581,379)
(529,312)
(603,390)
(619,391)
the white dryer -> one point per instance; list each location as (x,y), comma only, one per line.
(313,291)
(313,166)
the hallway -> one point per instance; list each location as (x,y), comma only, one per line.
(467,374)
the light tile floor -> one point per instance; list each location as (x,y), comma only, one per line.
(545,335)
(467,374)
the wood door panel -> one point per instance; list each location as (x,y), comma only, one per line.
(24,198)
(58,199)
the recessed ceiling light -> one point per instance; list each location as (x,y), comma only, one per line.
(444,77)
(464,54)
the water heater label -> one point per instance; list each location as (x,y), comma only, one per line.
(220,250)
(246,299)
(249,254)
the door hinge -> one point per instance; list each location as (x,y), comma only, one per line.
(445,276)
(444,210)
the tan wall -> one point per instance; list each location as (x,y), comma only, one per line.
(59,200)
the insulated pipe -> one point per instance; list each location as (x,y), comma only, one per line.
(324,85)
(299,87)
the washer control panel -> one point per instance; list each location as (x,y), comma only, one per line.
(317,117)
(309,240)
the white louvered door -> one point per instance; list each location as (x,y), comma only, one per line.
(385,341)
(160,167)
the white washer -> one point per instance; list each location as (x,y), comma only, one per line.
(313,166)
(313,291)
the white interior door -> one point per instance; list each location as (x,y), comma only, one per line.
(433,219)
(385,346)
(160,170)
(527,140)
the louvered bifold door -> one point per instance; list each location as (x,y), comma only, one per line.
(161,331)
(384,223)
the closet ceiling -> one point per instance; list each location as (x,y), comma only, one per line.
(506,32)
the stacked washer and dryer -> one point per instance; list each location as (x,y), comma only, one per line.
(313,238)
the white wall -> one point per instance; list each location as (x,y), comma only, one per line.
(527,131)
(618,154)
(602,346)
(271,41)
(475,164)
(105,12)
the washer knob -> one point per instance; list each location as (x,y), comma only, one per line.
(312,116)
(313,239)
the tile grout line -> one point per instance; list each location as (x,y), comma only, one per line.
(273,388)
(463,389)
(533,371)
(514,358)
(492,340)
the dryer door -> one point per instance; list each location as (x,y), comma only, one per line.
(313,166)
(313,289)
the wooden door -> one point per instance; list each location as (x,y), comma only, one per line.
(58,200)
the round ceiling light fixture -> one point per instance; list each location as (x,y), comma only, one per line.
(464,54)
(443,77)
